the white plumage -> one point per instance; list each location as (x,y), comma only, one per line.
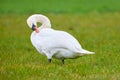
(53,43)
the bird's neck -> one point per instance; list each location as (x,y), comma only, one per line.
(44,21)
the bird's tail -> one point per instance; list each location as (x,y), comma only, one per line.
(83,51)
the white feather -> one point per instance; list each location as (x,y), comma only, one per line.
(54,43)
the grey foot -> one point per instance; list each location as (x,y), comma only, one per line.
(49,60)
(63,61)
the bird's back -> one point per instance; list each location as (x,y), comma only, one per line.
(49,39)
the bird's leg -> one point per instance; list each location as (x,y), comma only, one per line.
(49,60)
(63,61)
(49,56)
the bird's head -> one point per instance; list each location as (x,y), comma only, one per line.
(32,24)
(35,28)
(34,19)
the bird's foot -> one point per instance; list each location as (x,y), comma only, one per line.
(63,61)
(49,60)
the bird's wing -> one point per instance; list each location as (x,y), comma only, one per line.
(51,39)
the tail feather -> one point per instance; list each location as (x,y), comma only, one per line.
(83,51)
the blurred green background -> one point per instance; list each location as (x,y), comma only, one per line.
(95,23)
(55,6)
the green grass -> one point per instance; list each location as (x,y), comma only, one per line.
(96,32)
(95,23)
(55,6)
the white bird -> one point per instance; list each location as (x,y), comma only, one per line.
(53,43)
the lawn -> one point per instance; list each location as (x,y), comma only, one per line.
(97,30)
(55,6)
